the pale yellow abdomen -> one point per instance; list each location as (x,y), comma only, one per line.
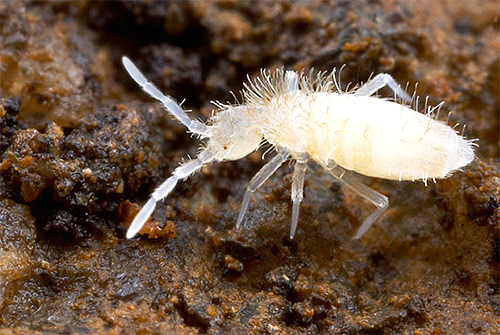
(384,139)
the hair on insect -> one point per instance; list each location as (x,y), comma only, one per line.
(307,117)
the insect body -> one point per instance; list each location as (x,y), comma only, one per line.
(371,136)
(310,118)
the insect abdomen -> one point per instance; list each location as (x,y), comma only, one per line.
(384,139)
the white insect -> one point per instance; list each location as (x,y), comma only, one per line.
(311,118)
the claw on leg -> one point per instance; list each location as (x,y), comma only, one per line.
(244,207)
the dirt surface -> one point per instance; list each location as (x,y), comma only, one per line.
(81,147)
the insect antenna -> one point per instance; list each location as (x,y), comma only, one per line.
(181,172)
(170,105)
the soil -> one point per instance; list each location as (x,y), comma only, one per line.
(81,148)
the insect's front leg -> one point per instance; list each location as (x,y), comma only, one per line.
(378,82)
(260,177)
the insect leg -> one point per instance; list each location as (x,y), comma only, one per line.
(292,81)
(379,81)
(183,171)
(369,194)
(297,193)
(260,177)
(193,126)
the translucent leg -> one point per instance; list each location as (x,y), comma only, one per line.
(372,196)
(183,171)
(260,177)
(379,81)
(193,126)
(292,81)
(297,193)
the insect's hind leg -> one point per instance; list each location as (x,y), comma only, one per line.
(183,171)
(193,126)
(378,82)
(369,194)
(260,177)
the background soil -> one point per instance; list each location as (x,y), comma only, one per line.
(81,147)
